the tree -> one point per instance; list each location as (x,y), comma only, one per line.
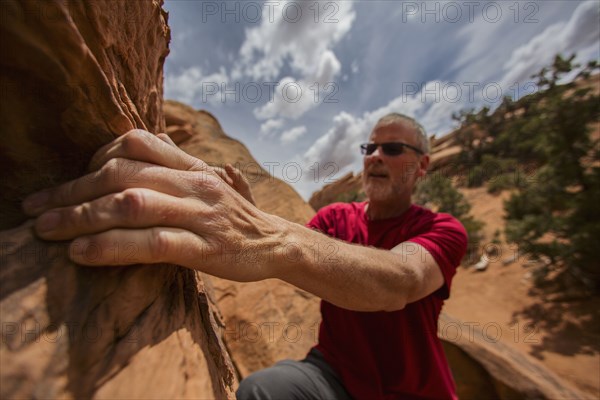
(556,215)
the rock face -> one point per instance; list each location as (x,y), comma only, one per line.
(74,75)
(264,321)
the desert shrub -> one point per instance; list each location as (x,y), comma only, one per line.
(438,192)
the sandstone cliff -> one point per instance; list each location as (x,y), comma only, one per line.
(75,75)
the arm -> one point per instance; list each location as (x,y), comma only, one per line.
(176,209)
(357,277)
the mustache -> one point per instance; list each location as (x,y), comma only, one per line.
(376,171)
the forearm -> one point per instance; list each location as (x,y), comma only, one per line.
(351,276)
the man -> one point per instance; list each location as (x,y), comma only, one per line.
(380,305)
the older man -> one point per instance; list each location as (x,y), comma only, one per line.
(382,288)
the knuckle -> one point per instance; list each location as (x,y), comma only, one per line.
(198,165)
(160,244)
(84,214)
(134,140)
(210,182)
(109,173)
(130,204)
(110,167)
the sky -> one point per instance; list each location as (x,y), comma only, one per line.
(302,83)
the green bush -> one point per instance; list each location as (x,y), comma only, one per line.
(437,192)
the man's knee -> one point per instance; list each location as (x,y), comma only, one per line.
(278,382)
(252,387)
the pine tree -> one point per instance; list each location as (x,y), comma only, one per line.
(556,214)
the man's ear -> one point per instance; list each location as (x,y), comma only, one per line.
(423,165)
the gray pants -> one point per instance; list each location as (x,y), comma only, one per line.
(311,378)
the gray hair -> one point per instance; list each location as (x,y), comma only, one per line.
(422,138)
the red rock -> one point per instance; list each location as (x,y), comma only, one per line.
(75,75)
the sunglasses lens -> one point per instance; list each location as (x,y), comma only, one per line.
(368,148)
(389,149)
(371,147)
(392,149)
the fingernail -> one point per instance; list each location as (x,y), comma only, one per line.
(48,221)
(35,201)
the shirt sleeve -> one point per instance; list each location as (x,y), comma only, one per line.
(322,221)
(446,240)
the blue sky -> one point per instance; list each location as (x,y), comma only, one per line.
(301,83)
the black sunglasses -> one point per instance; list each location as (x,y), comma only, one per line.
(389,148)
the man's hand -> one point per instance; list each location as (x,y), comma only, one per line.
(147,201)
(229,174)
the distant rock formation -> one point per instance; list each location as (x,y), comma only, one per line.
(339,190)
(75,75)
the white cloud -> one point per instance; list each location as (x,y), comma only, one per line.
(580,32)
(292,98)
(305,46)
(340,144)
(291,135)
(268,128)
(189,86)
(354,67)
(303,42)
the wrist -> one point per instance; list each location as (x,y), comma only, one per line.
(284,248)
(274,250)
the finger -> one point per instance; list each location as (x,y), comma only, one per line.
(163,245)
(240,183)
(236,176)
(224,175)
(132,208)
(232,172)
(118,175)
(143,146)
(166,138)
(140,246)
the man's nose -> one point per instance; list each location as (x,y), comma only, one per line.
(376,153)
(374,157)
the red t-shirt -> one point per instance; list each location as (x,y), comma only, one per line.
(391,355)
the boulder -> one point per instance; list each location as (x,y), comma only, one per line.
(485,368)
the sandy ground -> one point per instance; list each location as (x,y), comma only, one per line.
(561,332)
